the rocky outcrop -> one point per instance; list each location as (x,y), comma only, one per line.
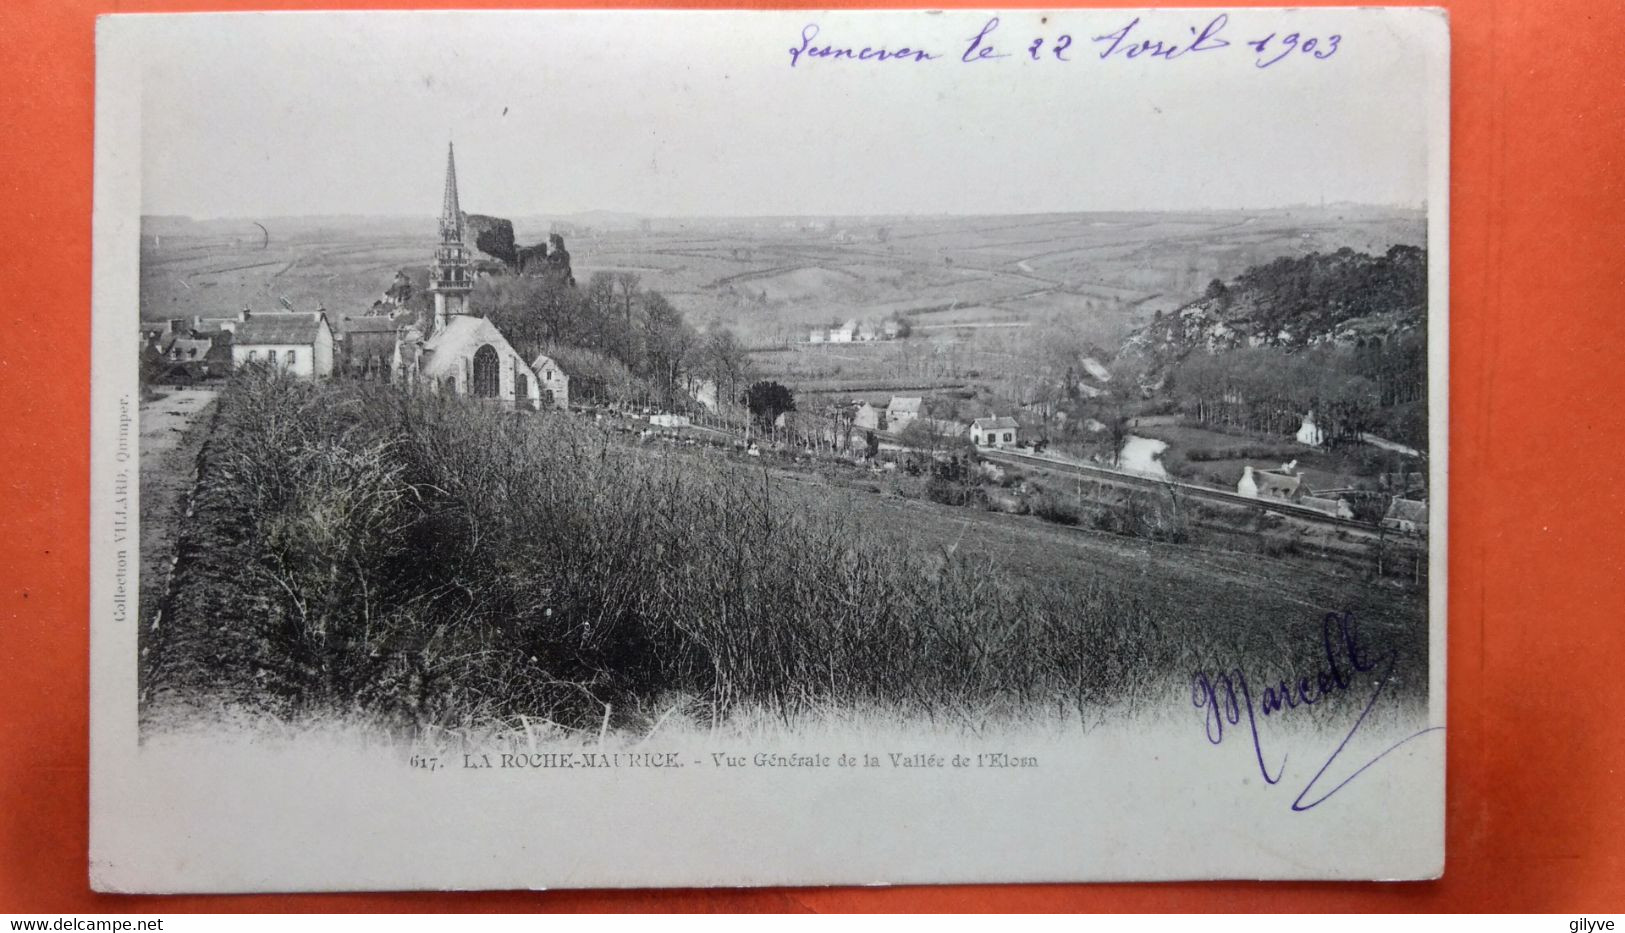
(494,237)
(1343,298)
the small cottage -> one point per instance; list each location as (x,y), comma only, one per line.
(869,418)
(556,385)
(995,432)
(902,411)
(1270,484)
(366,343)
(846,333)
(1406,516)
(1336,508)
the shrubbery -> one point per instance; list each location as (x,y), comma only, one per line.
(426,561)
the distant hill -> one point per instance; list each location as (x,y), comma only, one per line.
(1314,300)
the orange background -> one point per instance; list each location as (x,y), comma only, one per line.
(1536,815)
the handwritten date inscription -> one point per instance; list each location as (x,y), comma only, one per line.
(1130,40)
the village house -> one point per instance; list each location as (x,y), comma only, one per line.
(462,353)
(1310,433)
(869,418)
(297,342)
(1000,431)
(846,333)
(366,344)
(902,411)
(1337,508)
(818,336)
(189,350)
(556,385)
(1406,516)
(1270,484)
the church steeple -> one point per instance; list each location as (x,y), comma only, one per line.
(451,277)
(451,214)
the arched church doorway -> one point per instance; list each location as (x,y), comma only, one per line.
(487,377)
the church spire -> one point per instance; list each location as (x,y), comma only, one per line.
(451,277)
(451,214)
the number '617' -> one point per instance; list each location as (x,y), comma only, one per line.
(1293,42)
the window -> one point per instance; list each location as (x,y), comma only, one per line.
(1007,437)
(487,382)
(271,355)
(293,357)
(253,355)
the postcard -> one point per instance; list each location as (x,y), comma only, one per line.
(644,448)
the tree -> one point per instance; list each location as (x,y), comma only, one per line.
(767,400)
(724,361)
(668,346)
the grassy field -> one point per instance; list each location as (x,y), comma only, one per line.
(772,279)
(425,563)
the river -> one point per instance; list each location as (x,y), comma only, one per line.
(1140,455)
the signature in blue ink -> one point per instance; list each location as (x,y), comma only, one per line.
(1227,697)
(808,50)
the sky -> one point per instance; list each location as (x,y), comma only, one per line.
(702,114)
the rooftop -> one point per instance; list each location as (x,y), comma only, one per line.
(1408,510)
(280,327)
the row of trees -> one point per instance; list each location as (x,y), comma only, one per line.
(1372,387)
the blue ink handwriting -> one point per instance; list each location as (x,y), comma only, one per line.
(1227,697)
(809,32)
(1132,40)
(1205,41)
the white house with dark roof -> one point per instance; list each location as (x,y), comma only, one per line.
(297,342)
(1001,431)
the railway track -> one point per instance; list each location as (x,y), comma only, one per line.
(1201,492)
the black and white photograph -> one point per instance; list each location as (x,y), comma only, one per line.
(569,449)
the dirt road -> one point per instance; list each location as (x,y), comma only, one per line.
(173,428)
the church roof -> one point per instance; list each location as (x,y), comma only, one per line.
(280,327)
(460,338)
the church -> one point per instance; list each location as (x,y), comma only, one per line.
(462,352)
